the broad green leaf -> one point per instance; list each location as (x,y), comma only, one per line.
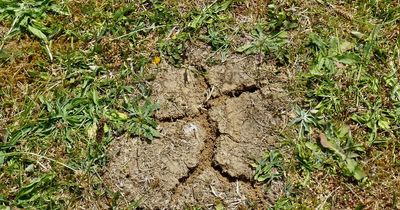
(359,173)
(198,21)
(154,132)
(219,206)
(38,33)
(245,47)
(351,164)
(357,34)
(122,116)
(222,7)
(360,119)
(355,169)
(384,124)
(352,155)
(1,158)
(312,146)
(106,128)
(316,68)
(95,97)
(91,131)
(331,146)
(35,185)
(343,131)
(316,40)
(349,58)
(283,35)
(345,46)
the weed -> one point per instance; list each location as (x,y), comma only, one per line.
(65,120)
(280,19)
(58,113)
(175,49)
(266,45)
(30,17)
(283,203)
(270,167)
(208,15)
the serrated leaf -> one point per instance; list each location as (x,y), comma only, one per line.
(197,21)
(316,40)
(154,132)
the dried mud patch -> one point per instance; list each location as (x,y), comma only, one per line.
(248,126)
(242,75)
(152,171)
(179,92)
(210,188)
(215,121)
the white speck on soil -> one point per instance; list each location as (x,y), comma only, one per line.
(190,129)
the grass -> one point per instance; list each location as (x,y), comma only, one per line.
(62,115)
(74,75)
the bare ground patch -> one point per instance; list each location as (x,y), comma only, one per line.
(152,171)
(215,121)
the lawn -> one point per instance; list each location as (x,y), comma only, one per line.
(287,104)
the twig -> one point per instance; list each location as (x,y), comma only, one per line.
(8,32)
(321,205)
(209,93)
(141,29)
(41,156)
(216,194)
(49,52)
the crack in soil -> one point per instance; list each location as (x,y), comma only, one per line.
(172,119)
(221,171)
(233,93)
(206,158)
(208,152)
(245,89)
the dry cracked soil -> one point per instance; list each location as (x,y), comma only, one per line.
(215,121)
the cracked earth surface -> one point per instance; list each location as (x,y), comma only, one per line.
(214,122)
